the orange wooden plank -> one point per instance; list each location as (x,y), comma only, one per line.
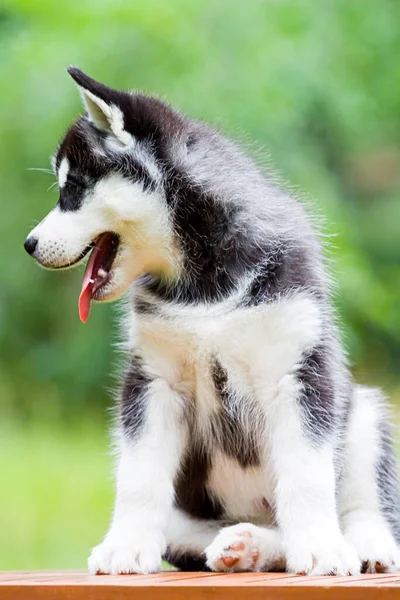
(77,585)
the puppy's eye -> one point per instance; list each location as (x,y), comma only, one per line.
(71,195)
(73,186)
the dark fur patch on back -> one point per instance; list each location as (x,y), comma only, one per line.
(283,270)
(134,398)
(229,432)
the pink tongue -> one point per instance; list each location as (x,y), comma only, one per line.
(85,299)
(86,294)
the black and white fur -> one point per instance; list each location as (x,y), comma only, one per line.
(243,442)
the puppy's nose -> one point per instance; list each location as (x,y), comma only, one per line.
(30,244)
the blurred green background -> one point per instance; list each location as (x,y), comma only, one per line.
(315,84)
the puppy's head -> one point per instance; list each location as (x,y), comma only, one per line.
(110,168)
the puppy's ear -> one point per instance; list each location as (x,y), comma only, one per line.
(103,105)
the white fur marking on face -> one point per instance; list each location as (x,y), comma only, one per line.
(63,172)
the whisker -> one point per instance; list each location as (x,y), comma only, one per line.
(41,169)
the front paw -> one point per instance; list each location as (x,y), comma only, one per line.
(375,545)
(117,557)
(325,554)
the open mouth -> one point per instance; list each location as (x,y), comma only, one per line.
(98,271)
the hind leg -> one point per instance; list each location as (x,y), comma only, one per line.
(370,507)
(207,545)
(187,539)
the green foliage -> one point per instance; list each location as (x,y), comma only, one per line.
(59,494)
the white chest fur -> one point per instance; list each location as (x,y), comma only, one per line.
(256,346)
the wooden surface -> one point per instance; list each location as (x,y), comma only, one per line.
(78,585)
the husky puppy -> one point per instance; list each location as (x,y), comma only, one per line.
(244,444)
